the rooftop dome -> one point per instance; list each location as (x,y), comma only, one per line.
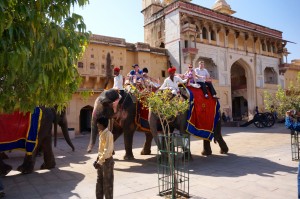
(223,7)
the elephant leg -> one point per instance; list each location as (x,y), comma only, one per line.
(117,132)
(4,168)
(128,141)
(147,145)
(219,138)
(222,144)
(49,160)
(28,164)
(206,148)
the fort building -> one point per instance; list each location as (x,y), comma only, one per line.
(245,59)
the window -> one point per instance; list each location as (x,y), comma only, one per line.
(92,55)
(263,46)
(121,67)
(163,73)
(186,44)
(92,66)
(213,35)
(80,65)
(204,33)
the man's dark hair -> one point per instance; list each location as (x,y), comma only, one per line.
(145,70)
(103,121)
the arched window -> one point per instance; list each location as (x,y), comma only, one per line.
(263,46)
(204,33)
(92,66)
(270,75)
(213,35)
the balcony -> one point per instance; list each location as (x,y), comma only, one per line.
(189,29)
(283,67)
(189,51)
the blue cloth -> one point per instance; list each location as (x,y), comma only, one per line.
(294,126)
(132,72)
(290,124)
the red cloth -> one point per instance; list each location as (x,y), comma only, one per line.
(117,69)
(204,114)
(15,122)
(172,70)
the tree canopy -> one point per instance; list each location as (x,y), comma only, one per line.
(40,44)
(284,100)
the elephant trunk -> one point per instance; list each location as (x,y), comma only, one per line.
(63,123)
(65,132)
(93,136)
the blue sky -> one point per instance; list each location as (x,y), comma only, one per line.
(123,18)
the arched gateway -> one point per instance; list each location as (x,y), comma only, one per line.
(243,93)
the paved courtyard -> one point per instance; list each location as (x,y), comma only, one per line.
(258,166)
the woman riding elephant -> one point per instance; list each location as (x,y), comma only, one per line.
(43,141)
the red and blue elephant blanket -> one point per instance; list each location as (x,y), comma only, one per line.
(203,114)
(20,131)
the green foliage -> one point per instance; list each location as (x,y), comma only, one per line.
(163,104)
(284,100)
(40,43)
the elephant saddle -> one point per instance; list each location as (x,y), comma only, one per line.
(203,114)
(19,131)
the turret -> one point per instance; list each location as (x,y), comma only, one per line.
(223,7)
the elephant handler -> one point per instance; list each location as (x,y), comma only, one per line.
(105,162)
(172,81)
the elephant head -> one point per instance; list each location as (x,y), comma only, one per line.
(102,107)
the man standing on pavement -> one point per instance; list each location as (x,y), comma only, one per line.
(292,122)
(105,163)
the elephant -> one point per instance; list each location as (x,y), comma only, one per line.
(179,123)
(44,142)
(124,121)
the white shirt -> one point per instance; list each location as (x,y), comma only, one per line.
(173,85)
(106,145)
(202,72)
(118,82)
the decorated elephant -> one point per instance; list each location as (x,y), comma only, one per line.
(32,133)
(186,122)
(124,121)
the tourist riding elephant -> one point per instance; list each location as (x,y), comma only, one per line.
(43,141)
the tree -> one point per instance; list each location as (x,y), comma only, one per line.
(40,43)
(284,100)
(166,107)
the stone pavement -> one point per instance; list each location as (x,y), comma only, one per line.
(258,166)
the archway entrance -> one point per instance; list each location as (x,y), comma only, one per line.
(85,119)
(239,92)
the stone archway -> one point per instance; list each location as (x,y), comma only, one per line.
(242,90)
(85,119)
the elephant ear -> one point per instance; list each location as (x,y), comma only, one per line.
(108,96)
